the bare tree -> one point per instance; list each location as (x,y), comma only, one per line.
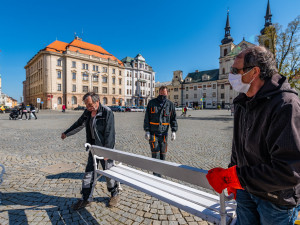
(285,46)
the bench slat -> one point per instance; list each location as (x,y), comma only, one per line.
(185,173)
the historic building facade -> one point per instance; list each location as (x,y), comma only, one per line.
(211,88)
(62,73)
(139,81)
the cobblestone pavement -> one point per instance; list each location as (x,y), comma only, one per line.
(30,196)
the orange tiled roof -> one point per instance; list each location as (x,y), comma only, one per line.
(82,47)
(57,46)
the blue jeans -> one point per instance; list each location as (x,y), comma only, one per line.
(252,210)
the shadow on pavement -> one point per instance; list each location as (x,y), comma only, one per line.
(74,176)
(58,209)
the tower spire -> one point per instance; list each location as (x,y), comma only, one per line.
(268,17)
(227,38)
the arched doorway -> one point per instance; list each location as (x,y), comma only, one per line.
(104,101)
(74,100)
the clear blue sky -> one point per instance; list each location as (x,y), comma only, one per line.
(170,34)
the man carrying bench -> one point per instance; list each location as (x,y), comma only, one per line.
(100,130)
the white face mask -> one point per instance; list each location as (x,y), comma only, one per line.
(237,83)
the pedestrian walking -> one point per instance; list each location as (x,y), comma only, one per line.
(160,114)
(32,110)
(99,123)
(64,108)
(185,111)
(264,172)
(24,111)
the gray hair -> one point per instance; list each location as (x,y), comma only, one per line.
(94,96)
(261,57)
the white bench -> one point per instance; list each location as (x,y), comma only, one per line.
(212,208)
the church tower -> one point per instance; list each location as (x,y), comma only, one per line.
(225,48)
(268,33)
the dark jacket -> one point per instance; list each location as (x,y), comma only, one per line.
(266,142)
(159,115)
(104,127)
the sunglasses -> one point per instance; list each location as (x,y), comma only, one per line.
(235,71)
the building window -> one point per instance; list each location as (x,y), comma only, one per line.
(222,96)
(127,82)
(113,101)
(58,74)
(59,62)
(195,88)
(104,101)
(120,91)
(85,89)
(114,91)
(104,69)
(120,72)
(204,95)
(214,86)
(74,88)
(58,87)
(204,87)
(195,95)
(95,78)
(222,86)
(74,100)
(223,70)
(85,76)
(225,51)
(175,89)
(135,65)
(120,81)
(104,90)
(128,91)
(114,80)
(59,101)
(187,88)
(74,76)
(104,79)
(113,71)
(95,89)
(186,96)
(175,96)
(73,64)
(135,75)
(95,68)
(85,66)
(214,94)
(127,73)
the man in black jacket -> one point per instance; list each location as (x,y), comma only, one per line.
(264,172)
(100,130)
(160,114)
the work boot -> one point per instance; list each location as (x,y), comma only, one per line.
(81,204)
(113,202)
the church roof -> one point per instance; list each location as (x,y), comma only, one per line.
(197,76)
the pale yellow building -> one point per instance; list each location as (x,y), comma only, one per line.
(63,72)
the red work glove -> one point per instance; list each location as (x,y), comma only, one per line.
(231,190)
(220,179)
